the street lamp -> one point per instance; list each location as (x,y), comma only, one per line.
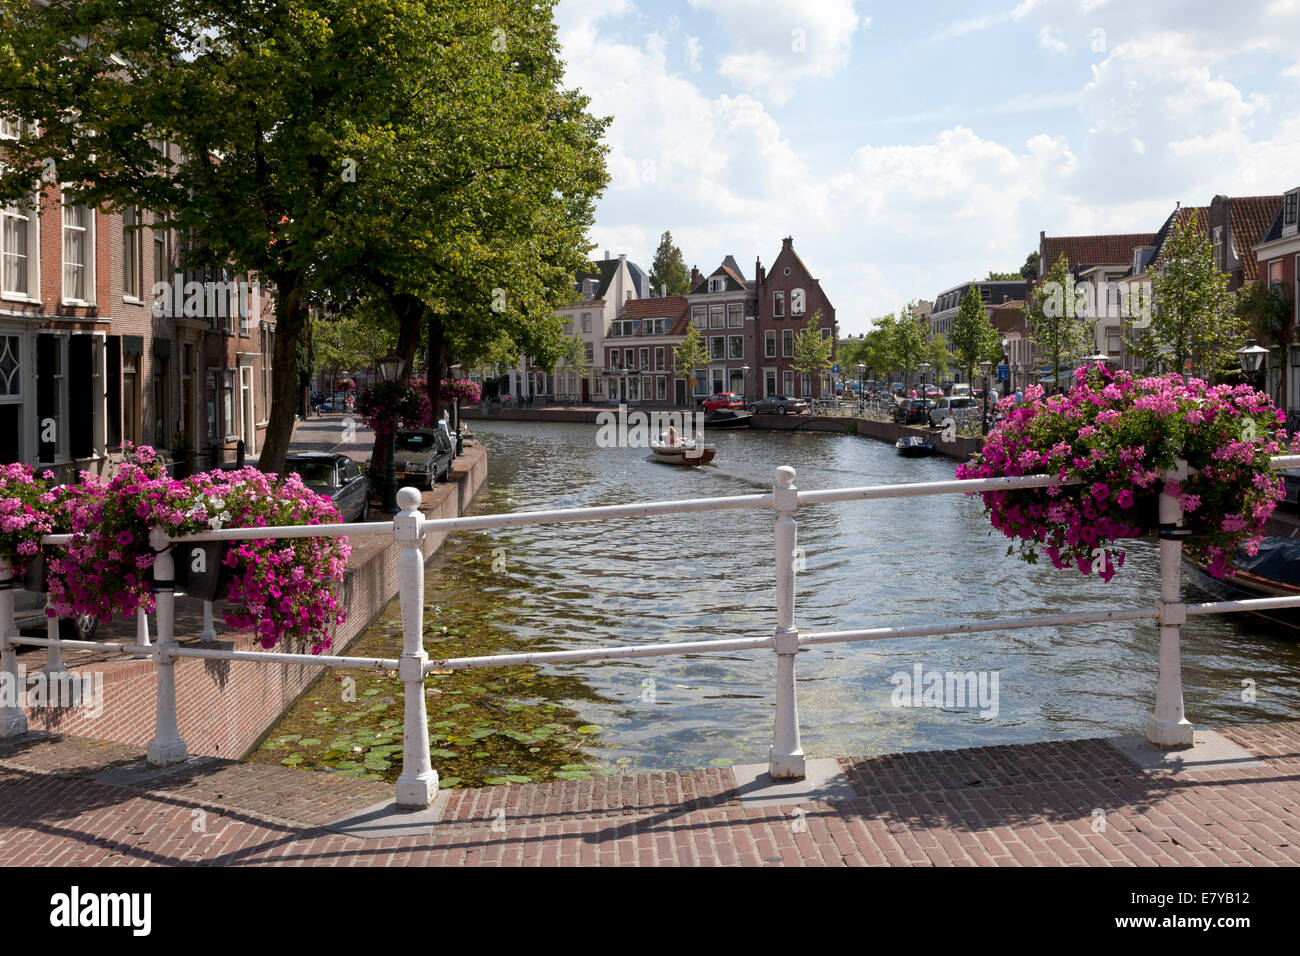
(1252,358)
(862,388)
(455,413)
(390,367)
(985,367)
(925,370)
(744,384)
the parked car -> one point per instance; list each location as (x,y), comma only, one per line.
(958,409)
(915,411)
(337,477)
(722,400)
(424,456)
(897,388)
(933,392)
(780,404)
(959,389)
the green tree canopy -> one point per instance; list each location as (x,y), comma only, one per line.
(973,338)
(1056,321)
(669,268)
(690,354)
(813,352)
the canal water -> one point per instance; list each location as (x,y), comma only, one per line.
(866,564)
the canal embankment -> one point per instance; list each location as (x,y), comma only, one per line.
(226,706)
(960,448)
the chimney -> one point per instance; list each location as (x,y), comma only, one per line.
(696,278)
(607,255)
(787,242)
(663,289)
(758,272)
(622,255)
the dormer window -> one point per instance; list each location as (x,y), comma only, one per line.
(1289,214)
(717,284)
(1218,246)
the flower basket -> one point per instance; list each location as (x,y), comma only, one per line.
(34,577)
(1113,436)
(201,569)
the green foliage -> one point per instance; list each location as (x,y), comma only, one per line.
(1266,310)
(1030,269)
(938,355)
(812,352)
(690,353)
(1003,276)
(1056,324)
(974,339)
(669,268)
(907,341)
(1194,320)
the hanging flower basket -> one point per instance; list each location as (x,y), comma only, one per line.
(25,515)
(1114,435)
(34,576)
(201,571)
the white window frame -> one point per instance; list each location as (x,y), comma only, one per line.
(787,343)
(797,302)
(32,229)
(586,321)
(778,305)
(89,242)
(731,341)
(132,256)
(769,343)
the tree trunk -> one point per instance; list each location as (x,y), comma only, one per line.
(290,320)
(436,347)
(409,310)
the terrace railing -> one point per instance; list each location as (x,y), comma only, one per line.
(417,786)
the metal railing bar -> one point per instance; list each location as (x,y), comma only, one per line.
(71,644)
(598,513)
(290,531)
(958,627)
(1249,604)
(320,660)
(602,654)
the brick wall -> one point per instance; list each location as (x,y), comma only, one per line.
(224,707)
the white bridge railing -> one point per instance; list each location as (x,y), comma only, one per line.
(417,786)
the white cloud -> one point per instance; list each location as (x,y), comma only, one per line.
(788,41)
(1047,40)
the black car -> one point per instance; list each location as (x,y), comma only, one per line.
(338,478)
(915,411)
(423,456)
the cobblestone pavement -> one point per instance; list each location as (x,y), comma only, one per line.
(65,800)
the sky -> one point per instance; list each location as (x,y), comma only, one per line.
(909,147)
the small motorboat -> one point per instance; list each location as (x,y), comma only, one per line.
(1273,572)
(914,446)
(727,418)
(691,452)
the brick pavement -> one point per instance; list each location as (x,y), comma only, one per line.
(66,800)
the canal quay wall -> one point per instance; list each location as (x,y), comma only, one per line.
(959,448)
(226,706)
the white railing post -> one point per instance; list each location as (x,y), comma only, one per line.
(785,760)
(1167,726)
(418,784)
(54,667)
(209,633)
(12,719)
(142,631)
(166,747)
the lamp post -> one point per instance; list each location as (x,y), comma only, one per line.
(455,411)
(925,370)
(985,367)
(1252,360)
(744,384)
(862,388)
(390,367)
(1015,373)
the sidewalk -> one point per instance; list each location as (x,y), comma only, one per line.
(66,800)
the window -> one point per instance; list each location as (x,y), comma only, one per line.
(645,358)
(805,382)
(769,382)
(160,256)
(718,284)
(586,321)
(1274,272)
(243,306)
(131,402)
(787,383)
(78,254)
(698,316)
(9,128)
(132,254)
(1218,246)
(659,359)
(787,344)
(717,347)
(613,359)
(589,352)
(796,301)
(769,343)
(701,381)
(1112,341)
(778,304)
(633,388)
(1290,214)
(628,355)
(661,388)
(718,385)
(735,346)
(735,320)
(11,398)
(716,320)
(826,333)
(624,327)
(18,239)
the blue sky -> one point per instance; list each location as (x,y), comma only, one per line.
(908,147)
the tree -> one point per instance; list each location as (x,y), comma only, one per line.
(411,149)
(974,339)
(1266,311)
(669,268)
(689,354)
(878,353)
(813,352)
(1193,320)
(907,341)
(1057,321)
(1002,276)
(937,354)
(353,340)
(1030,269)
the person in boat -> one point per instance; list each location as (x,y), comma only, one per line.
(672,434)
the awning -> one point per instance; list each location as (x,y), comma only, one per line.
(133,345)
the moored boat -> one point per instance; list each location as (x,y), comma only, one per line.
(1273,572)
(683,452)
(727,418)
(914,446)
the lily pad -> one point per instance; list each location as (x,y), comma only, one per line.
(590,729)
